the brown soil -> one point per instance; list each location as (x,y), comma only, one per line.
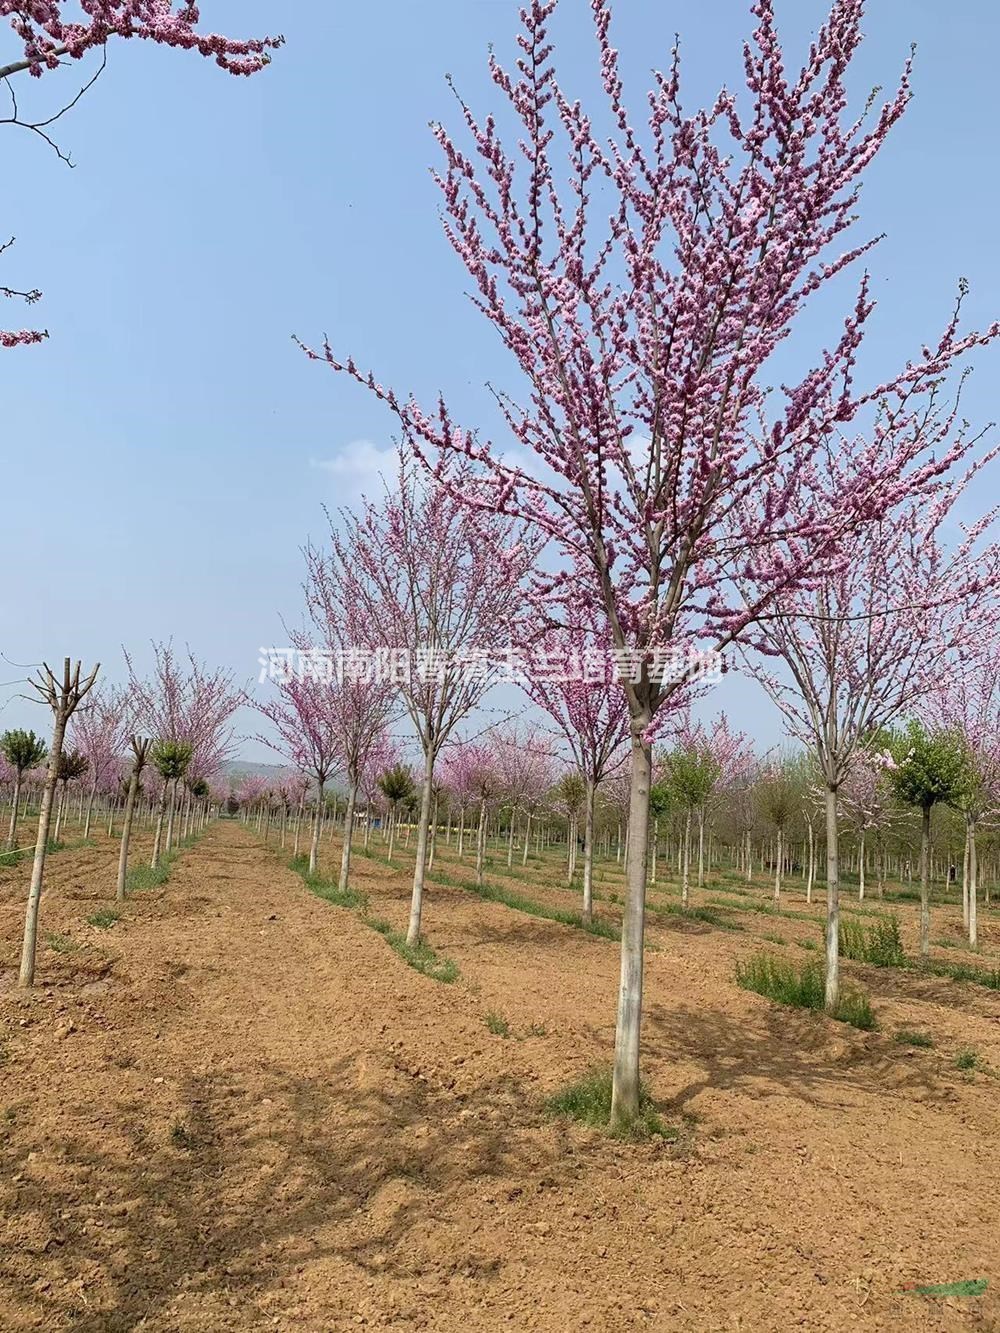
(239,1109)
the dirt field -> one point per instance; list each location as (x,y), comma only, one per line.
(238,1109)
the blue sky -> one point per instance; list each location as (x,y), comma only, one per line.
(167,452)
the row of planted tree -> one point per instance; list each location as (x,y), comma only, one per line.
(150,753)
(714,804)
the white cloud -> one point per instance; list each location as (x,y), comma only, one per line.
(359,469)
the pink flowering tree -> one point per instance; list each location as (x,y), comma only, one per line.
(641,285)
(868,639)
(47,34)
(366,702)
(437,586)
(305,722)
(475,772)
(526,764)
(704,762)
(590,713)
(100,731)
(966,700)
(187,710)
(866,800)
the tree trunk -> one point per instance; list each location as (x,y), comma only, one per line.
(925,881)
(345,855)
(432,847)
(701,847)
(133,787)
(481,843)
(587,914)
(316,830)
(59,813)
(90,811)
(27,974)
(973,886)
(12,830)
(686,861)
(779,855)
(861,868)
(417,900)
(625,1094)
(527,838)
(810,878)
(298,826)
(158,837)
(832,902)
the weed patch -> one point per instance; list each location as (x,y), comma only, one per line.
(879,943)
(801,986)
(589,1101)
(104,918)
(906,1037)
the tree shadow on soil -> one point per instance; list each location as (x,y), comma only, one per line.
(241,1191)
(781,1053)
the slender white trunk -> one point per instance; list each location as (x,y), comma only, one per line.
(701,847)
(832,902)
(925,881)
(861,868)
(316,830)
(686,862)
(417,898)
(625,1094)
(133,787)
(779,856)
(811,876)
(973,886)
(27,973)
(481,843)
(588,853)
(345,855)
(12,830)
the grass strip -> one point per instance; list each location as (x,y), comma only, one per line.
(420,956)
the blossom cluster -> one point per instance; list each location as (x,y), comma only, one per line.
(513,665)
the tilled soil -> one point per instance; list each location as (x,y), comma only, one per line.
(239,1109)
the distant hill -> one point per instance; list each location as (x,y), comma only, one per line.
(241,768)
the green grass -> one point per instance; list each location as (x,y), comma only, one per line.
(104,918)
(712,915)
(879,943)
(61,943)
(420,956)
(802,986)
(968,1059)
(327,889)
(143,878)
(497,1024)
(26,853)
(589,1101)
(494,893)
(960,972)
(906,1037)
